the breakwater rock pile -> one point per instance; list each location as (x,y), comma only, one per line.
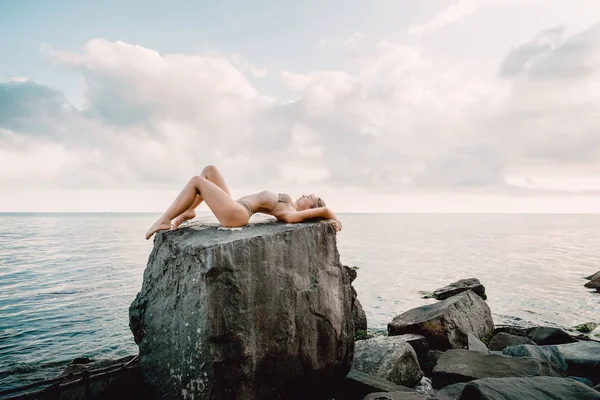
(261,312)
(454,351)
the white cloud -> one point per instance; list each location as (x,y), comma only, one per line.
(391,121)
(453,14)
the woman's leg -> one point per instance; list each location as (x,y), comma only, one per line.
(228,212)
(211,173)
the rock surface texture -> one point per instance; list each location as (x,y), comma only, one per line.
(447,323)
(260,312)
(460,286)
(544,353)
(390,358)
(502,340)
(456,366)
(543,336)
(536,388)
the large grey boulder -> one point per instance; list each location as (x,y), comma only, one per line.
(456,366)
(460,286)
(390,358)
(258,312)
(583,359)
(447,323)
(549,354)
(535,388)
(502,340)
(547,335)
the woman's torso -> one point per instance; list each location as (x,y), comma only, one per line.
(267,202)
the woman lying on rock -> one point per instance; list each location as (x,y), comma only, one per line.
(210,187)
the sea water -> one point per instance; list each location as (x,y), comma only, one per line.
(67,280)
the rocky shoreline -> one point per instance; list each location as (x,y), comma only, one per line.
(269,312)
(462,355)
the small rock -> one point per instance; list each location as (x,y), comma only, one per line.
(390,358)
(513,330)
(503,340)
(549,354)
(460,286)
(586,328)
(547,335)
(463,366)
(476,344)
(452,392)
(540,387)
(593,277)
(446,324)
(595,284)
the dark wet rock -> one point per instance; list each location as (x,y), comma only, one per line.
(595,284)
(390,358)
(81,360)
(586,328)
(475,344)
(358,314)
(503,340)
(547,335)
(430,360)
(534,388)
(446,324)
(451,392)
(460,286)
(456,366)
(352,272)
(512,330)
(549,354)
(597,387)
(400,395)
(82,364)
(358,384)
(583,359)
(593,276)
(258,312)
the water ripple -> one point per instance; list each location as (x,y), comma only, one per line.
(67,280)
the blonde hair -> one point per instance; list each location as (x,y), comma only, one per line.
(319,203)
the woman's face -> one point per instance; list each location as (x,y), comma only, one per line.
(305,202)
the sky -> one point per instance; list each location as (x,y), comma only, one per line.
(376,106)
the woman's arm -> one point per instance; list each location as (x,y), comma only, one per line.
(319,212)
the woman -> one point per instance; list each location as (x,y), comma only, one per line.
(210,187)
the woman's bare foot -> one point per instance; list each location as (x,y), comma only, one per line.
(159,225)
(189,214)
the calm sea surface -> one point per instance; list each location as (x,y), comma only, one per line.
(67,280)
